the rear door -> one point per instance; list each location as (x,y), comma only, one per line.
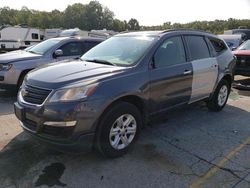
(205,67)
(171,76)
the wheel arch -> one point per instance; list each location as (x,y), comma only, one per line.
(132,99)
(22,74)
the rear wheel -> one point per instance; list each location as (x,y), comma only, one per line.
(118,129)
(220,96)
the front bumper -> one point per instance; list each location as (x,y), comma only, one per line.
(80,136)
(9,78)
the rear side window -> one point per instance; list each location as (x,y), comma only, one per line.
(171,52)
(90,44)
(218,45)
(197,47)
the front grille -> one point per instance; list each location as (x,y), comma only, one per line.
(34,94)
(243,61)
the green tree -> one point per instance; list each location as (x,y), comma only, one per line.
(107,19)
(133,24)
(7,16)
(119,25)
(74,16)
(93,15)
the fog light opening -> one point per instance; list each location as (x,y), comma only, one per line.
(60,123)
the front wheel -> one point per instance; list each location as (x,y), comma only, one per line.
(118,129)
(220,96)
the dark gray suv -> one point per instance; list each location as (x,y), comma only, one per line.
(106,97)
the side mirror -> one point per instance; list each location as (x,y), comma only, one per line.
(58,53)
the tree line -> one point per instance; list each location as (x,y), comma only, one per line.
(96,16)
(216,26)
(83,16)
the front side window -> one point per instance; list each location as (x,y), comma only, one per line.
(171,52)
(120,50)
(72,49)
(197,47)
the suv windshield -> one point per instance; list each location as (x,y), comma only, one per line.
(245,46)
(43,47)
(120,50)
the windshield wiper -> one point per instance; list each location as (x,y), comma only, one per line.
(101,61)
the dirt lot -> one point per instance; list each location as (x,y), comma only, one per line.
(190,147)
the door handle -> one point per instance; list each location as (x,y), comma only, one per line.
(187,72)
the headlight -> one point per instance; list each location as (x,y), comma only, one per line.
(5,67)
(72,94)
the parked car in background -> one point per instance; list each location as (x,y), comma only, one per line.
(242,54)
(233,41)
(15,65)
(105,98)
(244,32)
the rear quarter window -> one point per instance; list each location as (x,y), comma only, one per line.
(218,45)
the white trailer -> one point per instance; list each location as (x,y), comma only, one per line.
(18,37)
(51,33)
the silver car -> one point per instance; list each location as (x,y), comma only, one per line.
(15,65)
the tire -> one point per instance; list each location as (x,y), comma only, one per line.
(220,96)
(113,135)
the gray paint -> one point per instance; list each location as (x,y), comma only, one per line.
(205,73)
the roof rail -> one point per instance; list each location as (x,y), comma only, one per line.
(186,29)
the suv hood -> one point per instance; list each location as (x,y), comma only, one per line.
(66,73)
(19,55)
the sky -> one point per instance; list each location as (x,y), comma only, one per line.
(152,12)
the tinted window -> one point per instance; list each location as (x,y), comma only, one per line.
(34,36)
(90,44)
(72,49)
(197,47)
(170,52)
(219,45)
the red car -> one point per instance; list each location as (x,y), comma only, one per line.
(243,59)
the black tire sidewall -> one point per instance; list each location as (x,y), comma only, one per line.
(213,103)
(105,124)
